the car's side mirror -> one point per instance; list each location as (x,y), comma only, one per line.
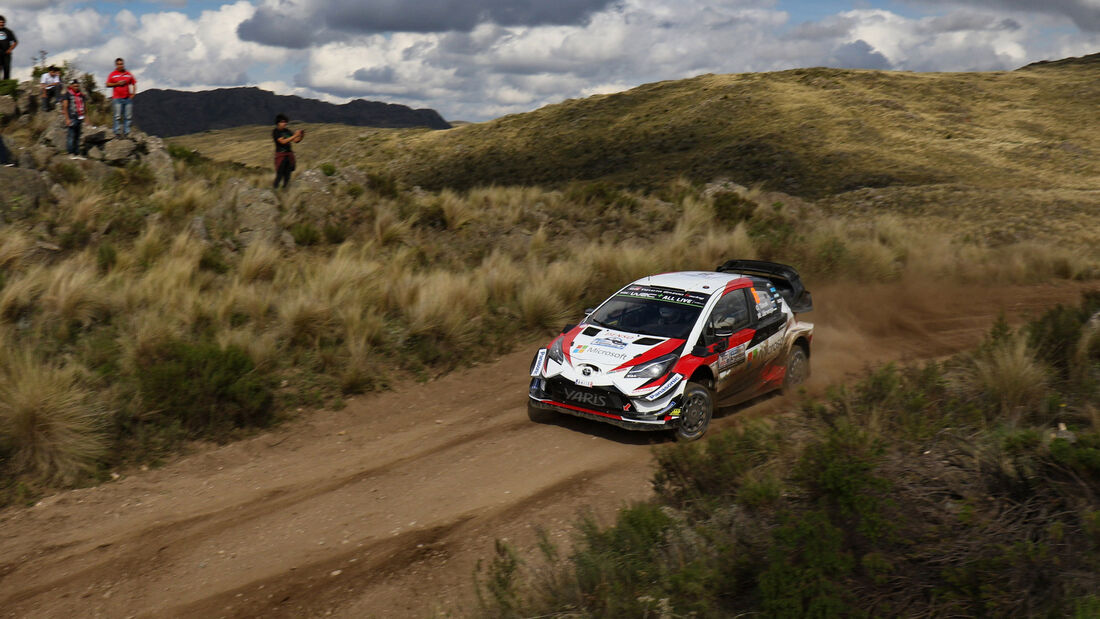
(566,328)
(588,311)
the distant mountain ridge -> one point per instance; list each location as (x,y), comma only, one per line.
(168,113)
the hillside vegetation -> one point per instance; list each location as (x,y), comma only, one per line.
(138,313)
(963,488)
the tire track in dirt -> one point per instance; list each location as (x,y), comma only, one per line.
(384,508)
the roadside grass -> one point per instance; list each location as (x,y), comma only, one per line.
(947,488)
(421,282)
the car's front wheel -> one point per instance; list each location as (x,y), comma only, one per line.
(695,412)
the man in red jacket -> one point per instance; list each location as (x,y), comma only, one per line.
(122,97)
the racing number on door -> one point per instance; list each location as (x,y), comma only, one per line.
(727,325)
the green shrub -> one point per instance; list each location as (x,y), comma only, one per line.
(207,389)
(328,169)
(184,154)
(384,185)
(355,190)
(67,173)
(212,260)
(335,233)
(731,208)
(8,87)
(106,256)
(305,234)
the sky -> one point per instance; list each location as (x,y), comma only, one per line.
(480,59)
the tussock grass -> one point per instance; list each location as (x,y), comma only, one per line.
(260,262)
(75,294)
(14,245)
(1010,376)
(49,424)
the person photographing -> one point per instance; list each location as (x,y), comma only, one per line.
(284,155)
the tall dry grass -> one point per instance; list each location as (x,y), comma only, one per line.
(49,423)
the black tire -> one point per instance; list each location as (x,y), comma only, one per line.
(798,369)
(696,411)
(539,415)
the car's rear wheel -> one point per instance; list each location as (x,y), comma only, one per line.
(798,369)
(695,412)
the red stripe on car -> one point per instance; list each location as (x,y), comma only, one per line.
(657,351)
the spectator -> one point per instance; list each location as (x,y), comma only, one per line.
(122,97)
(7,44)
(51,88)
(72,107)
(284,156)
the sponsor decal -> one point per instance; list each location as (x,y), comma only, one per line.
(670,295)
(586,397)
(674,412)
(763,309)
(663,389)
(539,361)
(615,342)
(603,352)
(584,382)
(731,357)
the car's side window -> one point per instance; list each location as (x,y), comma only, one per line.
(731,314)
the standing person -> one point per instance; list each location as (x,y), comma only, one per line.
(72,107)
(7,44)
(284,156)
(122,97)
(51,88)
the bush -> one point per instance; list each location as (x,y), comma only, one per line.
(731,208)
(207,389)
(328,169)
(8,87)
(384,185)
(305,234)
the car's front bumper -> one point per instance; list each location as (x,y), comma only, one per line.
(665,419)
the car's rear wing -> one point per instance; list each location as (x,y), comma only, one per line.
(785,279)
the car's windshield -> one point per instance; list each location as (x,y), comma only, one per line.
(662,312)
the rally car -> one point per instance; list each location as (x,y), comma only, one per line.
(664,351)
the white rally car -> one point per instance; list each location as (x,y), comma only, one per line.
(664,351)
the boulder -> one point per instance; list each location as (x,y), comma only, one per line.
(119,151)
(23,191)
(8,108)
(54,137)
(94,135)
(161,165)
(257,213)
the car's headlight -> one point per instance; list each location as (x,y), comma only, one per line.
(556,353)
(654,369)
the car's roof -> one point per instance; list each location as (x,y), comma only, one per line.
(706,282)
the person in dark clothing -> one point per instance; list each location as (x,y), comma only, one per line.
(72,108)
(284,156)
(7,45)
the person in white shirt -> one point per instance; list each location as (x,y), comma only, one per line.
(51,88)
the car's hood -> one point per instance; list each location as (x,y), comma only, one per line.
(609,349)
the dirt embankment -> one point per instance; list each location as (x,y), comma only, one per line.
(383,509)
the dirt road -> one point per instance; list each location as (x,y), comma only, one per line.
(383,509)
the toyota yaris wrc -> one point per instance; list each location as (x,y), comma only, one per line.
(663,352)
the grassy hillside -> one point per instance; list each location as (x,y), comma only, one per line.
(121,287)
(807,132)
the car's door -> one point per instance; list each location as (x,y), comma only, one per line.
(727,332)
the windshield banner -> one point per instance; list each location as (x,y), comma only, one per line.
(670,295)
